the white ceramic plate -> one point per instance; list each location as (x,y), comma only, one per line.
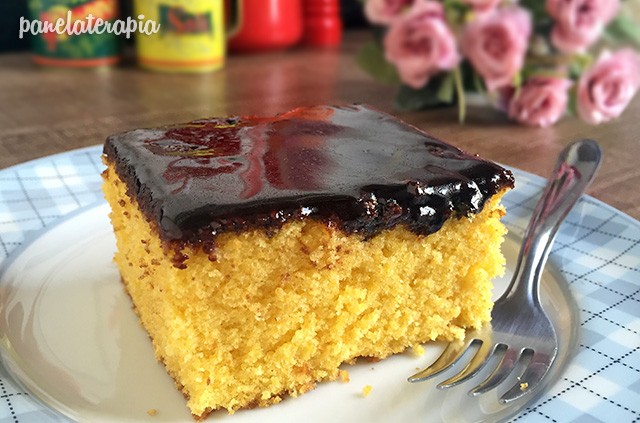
(71,338)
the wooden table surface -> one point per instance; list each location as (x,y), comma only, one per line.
(45,111)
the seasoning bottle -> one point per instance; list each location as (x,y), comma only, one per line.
(322,24)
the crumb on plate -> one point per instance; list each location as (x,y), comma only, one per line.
(418,350)
(367,390)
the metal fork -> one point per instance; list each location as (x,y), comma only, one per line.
(521,336)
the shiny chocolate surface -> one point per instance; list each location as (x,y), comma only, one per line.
(353,167)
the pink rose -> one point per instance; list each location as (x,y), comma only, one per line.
(496,44)
(579,23)
(482,6)
(421,44)
(384,11)
(540,102)
(605,90)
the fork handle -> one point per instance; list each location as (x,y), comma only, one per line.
(574,171)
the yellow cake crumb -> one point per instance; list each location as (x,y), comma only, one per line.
(152,412)
(344,376)
(418,350)
(366,391)
(524,386)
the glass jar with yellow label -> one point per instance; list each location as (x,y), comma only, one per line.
(192,35)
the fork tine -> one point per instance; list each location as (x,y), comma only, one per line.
(480,359)
(451,354)
(501,372)
(531,376)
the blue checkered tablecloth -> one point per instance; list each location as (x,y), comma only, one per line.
(597,251)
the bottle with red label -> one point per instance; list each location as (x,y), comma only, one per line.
(322,24)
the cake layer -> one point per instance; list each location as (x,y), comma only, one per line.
(277,311)
(360,169)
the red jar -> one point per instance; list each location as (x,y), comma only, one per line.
(267,25)
(322,24)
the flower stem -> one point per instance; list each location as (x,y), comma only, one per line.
(462,104)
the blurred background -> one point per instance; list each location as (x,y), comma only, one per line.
(272,56)
(11,11)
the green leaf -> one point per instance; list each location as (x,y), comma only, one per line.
(446,89)
(410,99)
(471,80)
(435,93)
(371,59)
(624,29)
(517,80)
(478,84)
(538,12)
(456,12)
(579,64)
(517,83)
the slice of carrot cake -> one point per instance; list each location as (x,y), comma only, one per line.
(262,253)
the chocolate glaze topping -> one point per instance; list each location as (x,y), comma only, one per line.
(354,167)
